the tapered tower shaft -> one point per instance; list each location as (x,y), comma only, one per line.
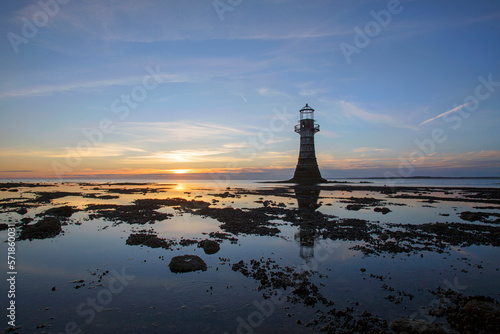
(307,170)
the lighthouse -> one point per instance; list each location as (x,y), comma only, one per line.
(307,170)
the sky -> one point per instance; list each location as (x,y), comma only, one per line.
(163,88)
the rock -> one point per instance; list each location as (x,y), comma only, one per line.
(188,242)
(46,228)
(148,240)
(383,210)
(383,236)
(22,211)
(411,326)
(472,216)
(142,212)
(354,207)
(238,221)
(388,191)
(209,246)
(479,315)
(60,212)
(484,308)
(186,263)
(26,220)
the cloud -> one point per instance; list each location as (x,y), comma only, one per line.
(307,89)
(184,155)
(44,90)
(311,91)
(100,151)
(329,134)
(445,113)
(470,159)
(350,110)
(181,156)
(179,131)
(370,149)
(270,92)
(161,21)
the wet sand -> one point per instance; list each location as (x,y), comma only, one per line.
(337,258)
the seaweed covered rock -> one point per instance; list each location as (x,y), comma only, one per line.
(138,213)
(22,211)
(186,263)
(471,216)
(481,216)
(354,207)
(60,212)
(209,246)
(416,326)
(148,240)
(383,210)
(476,314)
(48,227)
(238,221)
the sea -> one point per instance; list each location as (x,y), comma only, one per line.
(477,182)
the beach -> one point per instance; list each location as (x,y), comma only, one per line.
(250,257)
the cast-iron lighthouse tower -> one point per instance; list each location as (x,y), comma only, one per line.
(307,171)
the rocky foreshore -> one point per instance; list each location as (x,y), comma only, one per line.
(263,213)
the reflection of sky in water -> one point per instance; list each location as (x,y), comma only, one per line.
(157,300)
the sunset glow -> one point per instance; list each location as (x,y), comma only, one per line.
(180,171)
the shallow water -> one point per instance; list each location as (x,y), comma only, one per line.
(220,300)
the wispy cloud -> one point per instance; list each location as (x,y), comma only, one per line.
(173,21)
(445,113)
(50,89)
(370,149)
(181,156)
(308,89)
(100,151)
(184,155)
(179,131)
(352,110)
(271,92)
(311,91)
(457,160)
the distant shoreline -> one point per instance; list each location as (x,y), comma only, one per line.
(423,177)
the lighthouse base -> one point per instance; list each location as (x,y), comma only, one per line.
(307,172)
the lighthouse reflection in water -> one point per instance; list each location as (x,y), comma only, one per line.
(307,199)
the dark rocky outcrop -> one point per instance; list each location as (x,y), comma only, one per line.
(209,246)
(48,227)
(146,239)
(187,263)
(416,326)
(60,212)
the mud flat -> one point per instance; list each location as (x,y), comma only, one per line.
(335,258)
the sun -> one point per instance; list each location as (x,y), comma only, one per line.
(179,171)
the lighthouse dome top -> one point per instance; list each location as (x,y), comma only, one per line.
(307,109)
(307,112)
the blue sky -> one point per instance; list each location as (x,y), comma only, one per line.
(215,86)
